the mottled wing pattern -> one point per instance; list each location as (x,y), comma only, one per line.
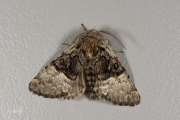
(113,82)
(63,77)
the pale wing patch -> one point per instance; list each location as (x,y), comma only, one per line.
(51,83)
(118,90)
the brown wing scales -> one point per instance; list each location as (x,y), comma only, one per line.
(62,78)
(114,84)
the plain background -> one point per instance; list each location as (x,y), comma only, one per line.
(32,33)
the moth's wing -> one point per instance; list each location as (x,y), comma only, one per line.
(113,82)
(63,77)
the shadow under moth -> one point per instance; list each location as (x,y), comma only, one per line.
(89,65)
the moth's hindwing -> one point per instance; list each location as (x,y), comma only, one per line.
(113,82)
(63,77)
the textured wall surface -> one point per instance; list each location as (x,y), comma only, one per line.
(32,33)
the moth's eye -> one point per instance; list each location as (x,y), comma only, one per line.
(116,66)
(61,61)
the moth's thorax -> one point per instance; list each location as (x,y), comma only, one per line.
(90,41)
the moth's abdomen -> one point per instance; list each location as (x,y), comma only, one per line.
(90,80)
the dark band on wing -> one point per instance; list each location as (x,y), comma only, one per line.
(69,66)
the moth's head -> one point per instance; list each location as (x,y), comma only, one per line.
(90,48)
(90,41)
(97,33)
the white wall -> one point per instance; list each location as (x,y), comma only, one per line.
(31,33)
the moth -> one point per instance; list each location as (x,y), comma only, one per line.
(89,65)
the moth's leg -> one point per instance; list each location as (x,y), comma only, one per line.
(84,27)
(66,44)
(119,51)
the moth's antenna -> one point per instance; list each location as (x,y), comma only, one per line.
(84,27)
(106,32)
